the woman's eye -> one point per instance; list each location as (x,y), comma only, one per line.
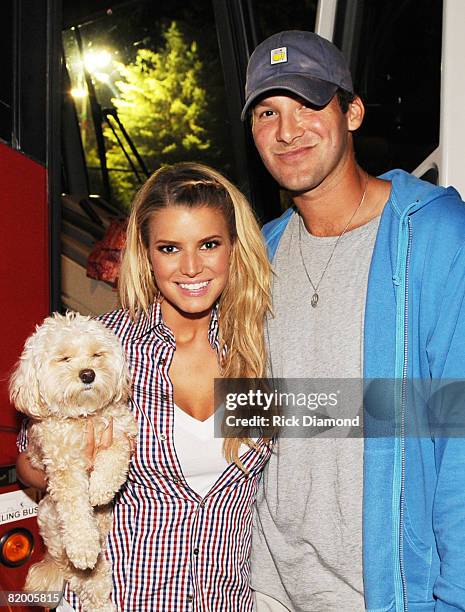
(168,248)
(211,244)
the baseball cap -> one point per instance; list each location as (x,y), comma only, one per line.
(300,62)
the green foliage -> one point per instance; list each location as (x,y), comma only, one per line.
(163,107)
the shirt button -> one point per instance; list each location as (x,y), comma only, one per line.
(162,361)
(196,551)
(165,397)
(162,437)
(202,503)
(190,598)
(176,480)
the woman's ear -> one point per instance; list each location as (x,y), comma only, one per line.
(355,114)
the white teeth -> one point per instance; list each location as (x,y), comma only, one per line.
(193,286)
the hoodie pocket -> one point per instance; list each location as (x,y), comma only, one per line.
(417,563)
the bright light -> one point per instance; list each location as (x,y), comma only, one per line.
(79,92)
(96,61)
(103,77)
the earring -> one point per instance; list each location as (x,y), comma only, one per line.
(158,296)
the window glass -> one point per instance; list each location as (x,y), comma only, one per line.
(6,70)
(156,72)
(395,52)
(272,17)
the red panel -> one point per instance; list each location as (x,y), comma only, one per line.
(13,578)
(24,278)
(24,261)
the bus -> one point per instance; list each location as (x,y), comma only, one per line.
(72,154)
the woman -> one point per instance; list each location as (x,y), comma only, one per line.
(194,288)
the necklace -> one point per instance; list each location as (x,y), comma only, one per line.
(315,296)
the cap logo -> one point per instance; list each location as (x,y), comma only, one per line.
(279,55)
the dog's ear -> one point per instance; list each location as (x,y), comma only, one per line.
(124,380)
(24,386)
(118,361)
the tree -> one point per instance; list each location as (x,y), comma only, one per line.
(163,108)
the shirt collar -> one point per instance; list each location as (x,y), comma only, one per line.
(148,321)
(152,321)
(213,329)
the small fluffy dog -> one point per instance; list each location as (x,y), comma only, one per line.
(72,376)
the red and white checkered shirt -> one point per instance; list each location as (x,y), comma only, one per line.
(171,549)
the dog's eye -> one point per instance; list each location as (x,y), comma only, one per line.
(65,358)
(97,354)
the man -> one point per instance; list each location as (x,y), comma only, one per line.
(370,281)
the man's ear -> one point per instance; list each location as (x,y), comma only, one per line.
(355,114)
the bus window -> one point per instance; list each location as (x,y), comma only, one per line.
(157,77)
(286,15)
(395,53)
(6,71)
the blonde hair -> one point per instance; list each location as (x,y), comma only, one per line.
(245,300)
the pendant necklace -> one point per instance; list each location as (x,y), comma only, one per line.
(315,296)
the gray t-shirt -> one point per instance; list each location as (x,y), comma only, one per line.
(307,541)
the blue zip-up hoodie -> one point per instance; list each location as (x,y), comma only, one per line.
(414,485)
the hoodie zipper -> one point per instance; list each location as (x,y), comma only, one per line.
(402,423)
(401,279)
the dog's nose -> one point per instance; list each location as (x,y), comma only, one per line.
(87,376)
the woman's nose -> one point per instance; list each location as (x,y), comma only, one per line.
(191,264)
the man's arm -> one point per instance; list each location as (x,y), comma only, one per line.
(446,351)
(449,524)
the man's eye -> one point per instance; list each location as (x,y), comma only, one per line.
(211,244)
(168,248)
(266,113)
(263,114)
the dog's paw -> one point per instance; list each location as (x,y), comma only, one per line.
(99,495)
(83,555)
(107,607)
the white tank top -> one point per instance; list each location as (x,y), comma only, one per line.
(199,452)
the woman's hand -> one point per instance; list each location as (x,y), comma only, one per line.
(93,447)
(32,477)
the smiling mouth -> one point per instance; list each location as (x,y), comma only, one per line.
(194,286)
(294,152)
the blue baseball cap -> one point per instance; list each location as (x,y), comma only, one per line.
(302,63)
